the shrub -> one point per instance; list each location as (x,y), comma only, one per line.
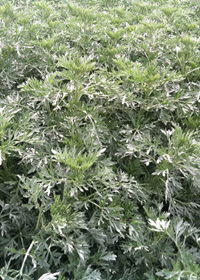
(100,150)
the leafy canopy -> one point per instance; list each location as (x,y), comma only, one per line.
(99,140)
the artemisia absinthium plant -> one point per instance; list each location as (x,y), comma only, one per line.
(100,143)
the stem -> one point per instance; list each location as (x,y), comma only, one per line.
(178,247)
(39,218)
(32,243)
(26,256)
(193,70)
(47,106)
(5,165)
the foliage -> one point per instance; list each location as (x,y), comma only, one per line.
(100,143)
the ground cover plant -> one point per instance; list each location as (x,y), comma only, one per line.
(100,142)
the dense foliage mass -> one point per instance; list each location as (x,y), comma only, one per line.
(100,140)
